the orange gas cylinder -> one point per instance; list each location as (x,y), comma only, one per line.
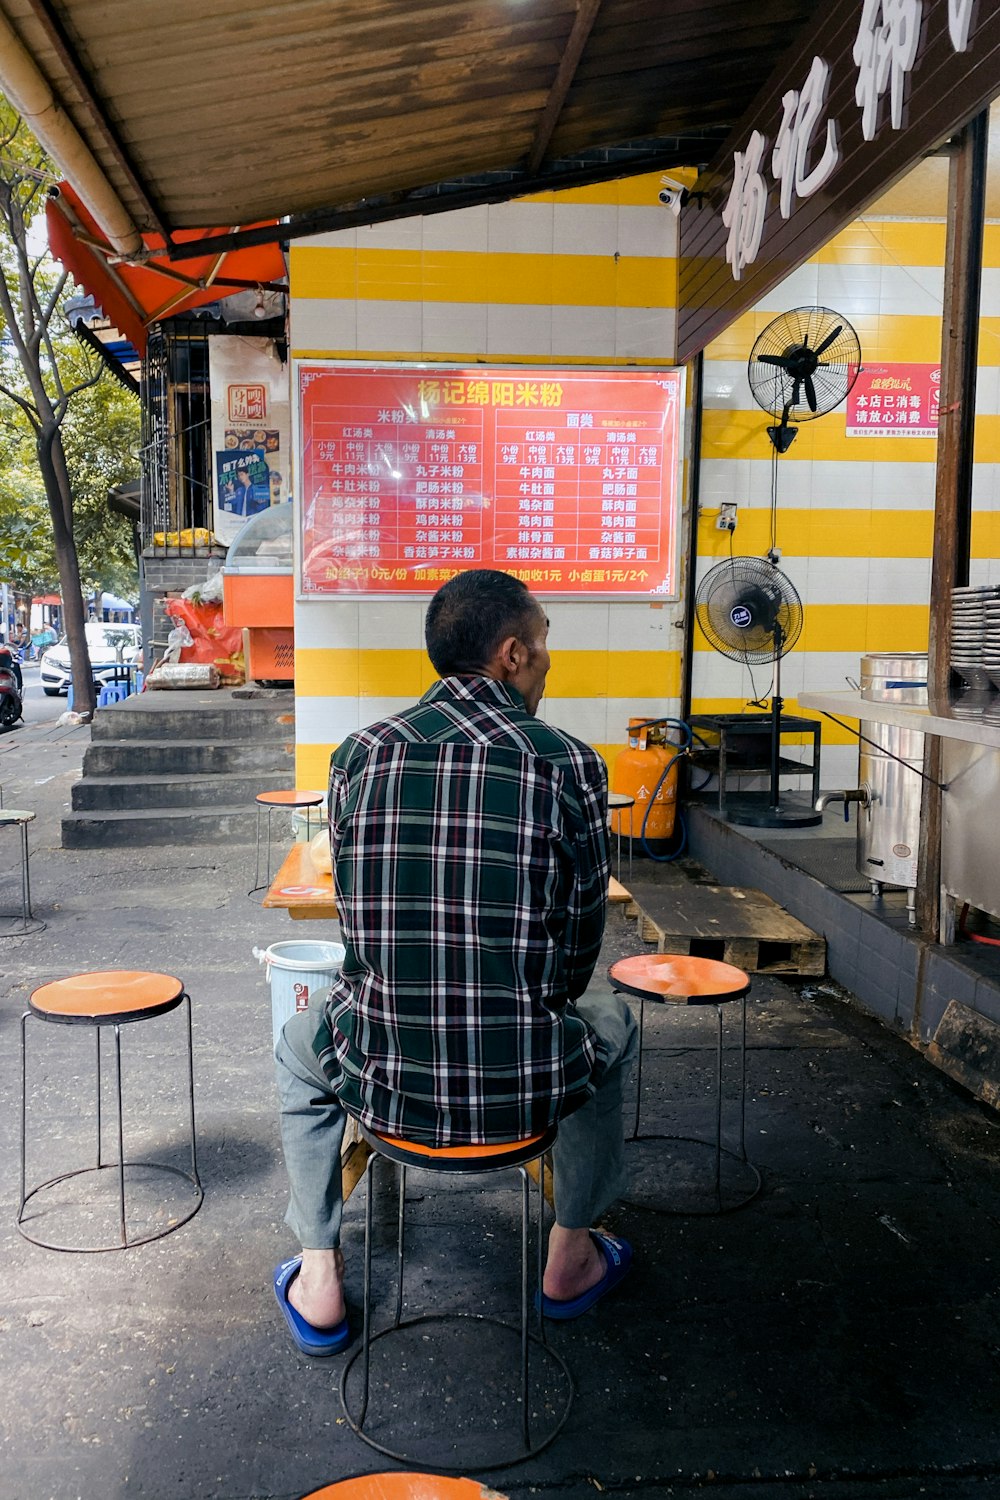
(636,772)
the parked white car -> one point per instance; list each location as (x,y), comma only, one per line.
(109,646)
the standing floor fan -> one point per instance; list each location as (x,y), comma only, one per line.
(751,613)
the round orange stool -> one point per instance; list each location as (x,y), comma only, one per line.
(682,980)
(114,998)
(461,1161)
(397,1486)
(270,801)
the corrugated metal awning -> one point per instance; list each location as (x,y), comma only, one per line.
(238,111)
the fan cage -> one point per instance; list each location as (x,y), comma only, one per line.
(727,587)
(773,388)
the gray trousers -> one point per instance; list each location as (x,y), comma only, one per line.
(588,1159)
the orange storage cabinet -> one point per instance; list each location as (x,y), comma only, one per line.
(258,594)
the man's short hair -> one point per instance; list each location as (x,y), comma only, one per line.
(471,615)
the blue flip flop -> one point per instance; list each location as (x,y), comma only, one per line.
(318,1342)
(618,1255)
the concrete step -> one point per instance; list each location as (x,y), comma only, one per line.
(134,757)
(118,794)
(143,718)
(167,825)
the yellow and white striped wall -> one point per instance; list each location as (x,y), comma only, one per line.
(854,515)
(584,277)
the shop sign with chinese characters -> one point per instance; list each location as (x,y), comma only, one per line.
(884,52)
(895,401)
(566,478)
(870,87)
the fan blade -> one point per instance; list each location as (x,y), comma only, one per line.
(810,393)
(830,338)
(773,359)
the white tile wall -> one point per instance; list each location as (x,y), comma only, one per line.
(325,721)
(647,231)
(392,326)
(457,328)
(577,627)
(461,229)
(583,331)
(831,580)
(647,332)
(324,323)
(525,228)
(328,623)
(392,624)
(514,330)
(645,627)
(585,229)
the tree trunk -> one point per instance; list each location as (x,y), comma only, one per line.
(52,463)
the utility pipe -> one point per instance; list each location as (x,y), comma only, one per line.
(31,94)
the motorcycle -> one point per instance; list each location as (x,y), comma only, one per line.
(10,690)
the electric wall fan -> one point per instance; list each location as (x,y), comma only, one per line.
(802,366)
(751,612)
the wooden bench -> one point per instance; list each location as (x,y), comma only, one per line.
(300,889)
(307,893)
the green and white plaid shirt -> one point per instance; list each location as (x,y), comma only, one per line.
(470,859)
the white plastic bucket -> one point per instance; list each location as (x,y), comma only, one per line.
(296,971)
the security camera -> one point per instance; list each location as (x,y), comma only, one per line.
(673,194)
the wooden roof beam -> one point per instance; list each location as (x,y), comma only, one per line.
(583,24)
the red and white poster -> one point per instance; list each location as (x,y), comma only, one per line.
(566,478)
(895,401)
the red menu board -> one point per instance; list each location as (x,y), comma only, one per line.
(894,401)
(565,478)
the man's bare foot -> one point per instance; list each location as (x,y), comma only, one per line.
(317,1292)
(574,1264)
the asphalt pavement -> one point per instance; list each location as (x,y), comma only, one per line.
(837,1338)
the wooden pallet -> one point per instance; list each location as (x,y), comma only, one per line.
(741,927)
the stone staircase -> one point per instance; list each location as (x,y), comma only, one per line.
(181,768)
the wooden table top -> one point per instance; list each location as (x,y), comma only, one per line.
(305,892)
(300,889)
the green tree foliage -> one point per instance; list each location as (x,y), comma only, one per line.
(57,410)
(101,437)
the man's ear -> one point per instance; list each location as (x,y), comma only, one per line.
(509,655)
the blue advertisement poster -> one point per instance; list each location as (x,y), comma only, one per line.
(244,481)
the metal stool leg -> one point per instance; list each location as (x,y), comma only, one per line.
(525,1217)
(25,879)
(638,1071)
(194,1149)
(24,1105)
(121,1136)
(97,1041)
(718,1107)
(366,1332)
(400,1245)
(256,856)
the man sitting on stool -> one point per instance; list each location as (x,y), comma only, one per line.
(470,863)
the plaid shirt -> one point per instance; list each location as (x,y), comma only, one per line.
(470,859)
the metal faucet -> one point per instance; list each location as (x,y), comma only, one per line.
(859,794)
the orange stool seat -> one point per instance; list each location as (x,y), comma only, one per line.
(271,802)
(397,1486)
(677,979)
(463,1161)
(108,998)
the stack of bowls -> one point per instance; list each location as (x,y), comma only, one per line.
(991,635)
(968,634)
